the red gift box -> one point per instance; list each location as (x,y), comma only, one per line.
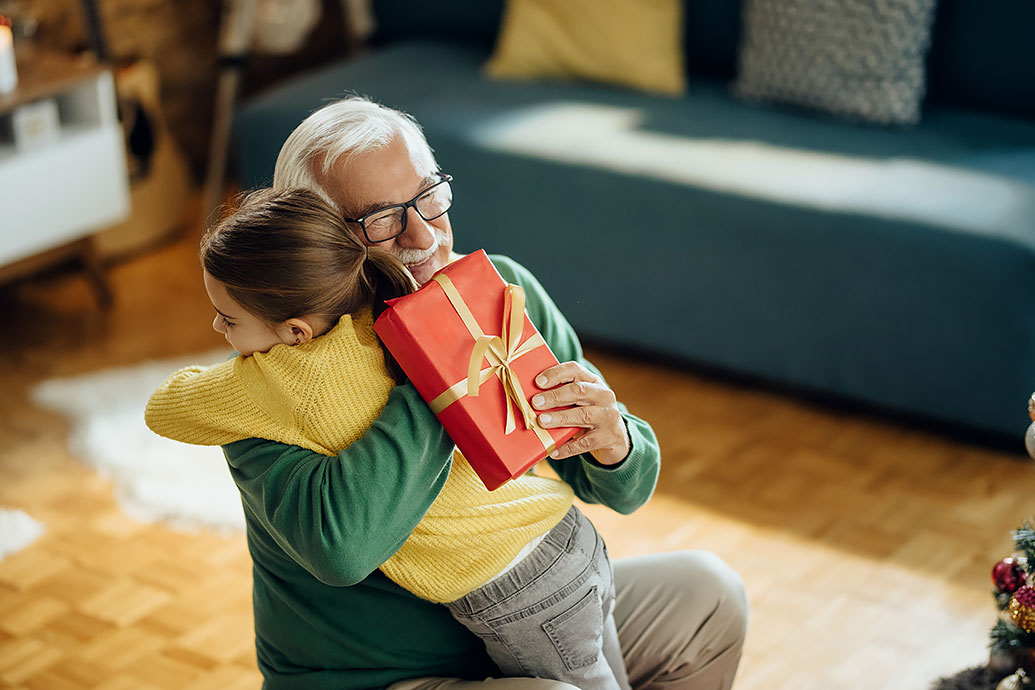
(468,325)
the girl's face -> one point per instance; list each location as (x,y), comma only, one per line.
(245,332)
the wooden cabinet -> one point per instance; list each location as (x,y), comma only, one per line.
(55,193)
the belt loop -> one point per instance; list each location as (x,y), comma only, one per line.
(562,533)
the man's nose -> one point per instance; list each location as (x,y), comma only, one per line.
(419,232)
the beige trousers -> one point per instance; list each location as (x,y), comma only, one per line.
(681,617)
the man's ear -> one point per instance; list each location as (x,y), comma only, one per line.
(296,331)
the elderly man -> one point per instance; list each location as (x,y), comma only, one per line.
(681,616)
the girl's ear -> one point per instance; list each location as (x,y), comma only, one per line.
(296,331)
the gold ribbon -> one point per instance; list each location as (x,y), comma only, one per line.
(500,351)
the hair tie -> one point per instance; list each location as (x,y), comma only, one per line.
(366,248)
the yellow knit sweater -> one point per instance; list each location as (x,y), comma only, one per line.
(323,395)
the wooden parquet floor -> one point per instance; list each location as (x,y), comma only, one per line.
(865,545)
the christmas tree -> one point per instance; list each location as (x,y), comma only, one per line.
(1013,636)
(1011,663)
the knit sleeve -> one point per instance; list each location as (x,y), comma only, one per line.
(340,517)
(629,484)
(191,406)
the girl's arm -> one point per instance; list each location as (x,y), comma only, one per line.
(341,517)
(189,406)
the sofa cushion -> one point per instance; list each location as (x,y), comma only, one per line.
(852,58)
(444,87)
(632,44)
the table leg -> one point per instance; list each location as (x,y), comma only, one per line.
(95,273)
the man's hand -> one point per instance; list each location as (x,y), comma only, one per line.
(595,409)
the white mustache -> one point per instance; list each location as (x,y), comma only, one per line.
(412,257)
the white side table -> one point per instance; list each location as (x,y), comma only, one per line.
(54,195)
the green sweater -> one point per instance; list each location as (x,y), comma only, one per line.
(319,527)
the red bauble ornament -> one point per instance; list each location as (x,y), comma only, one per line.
(1008,576)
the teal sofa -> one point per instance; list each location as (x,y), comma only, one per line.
(705,229)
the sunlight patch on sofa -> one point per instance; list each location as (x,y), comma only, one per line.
(896,188)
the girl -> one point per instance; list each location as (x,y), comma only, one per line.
(296,294)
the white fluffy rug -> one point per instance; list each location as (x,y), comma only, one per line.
(17,530)
(187,487)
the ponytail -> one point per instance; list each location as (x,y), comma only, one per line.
(387,278)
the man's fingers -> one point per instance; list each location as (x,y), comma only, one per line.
(565,372)
(587,417)
(569,449)
(583,443)
(584,393)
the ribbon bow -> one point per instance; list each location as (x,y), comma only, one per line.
(500,351)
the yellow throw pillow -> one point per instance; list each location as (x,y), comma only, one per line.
(632,43)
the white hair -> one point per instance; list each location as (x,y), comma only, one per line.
(342,129)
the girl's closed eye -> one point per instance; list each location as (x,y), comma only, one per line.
(228,324)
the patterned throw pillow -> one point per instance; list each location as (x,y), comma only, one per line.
(858,58)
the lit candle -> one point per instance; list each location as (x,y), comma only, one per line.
(8,73)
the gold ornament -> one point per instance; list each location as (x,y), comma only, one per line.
(1014,681)
(1022,608)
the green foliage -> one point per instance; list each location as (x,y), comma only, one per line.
(1024,540)
(1008,638)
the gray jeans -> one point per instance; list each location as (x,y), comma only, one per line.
(681,617)
(551,615)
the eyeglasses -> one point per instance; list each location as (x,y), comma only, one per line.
(389,222)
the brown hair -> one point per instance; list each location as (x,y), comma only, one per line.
(282,254)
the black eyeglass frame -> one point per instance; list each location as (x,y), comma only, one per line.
(443,179)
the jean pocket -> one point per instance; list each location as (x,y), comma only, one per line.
(577,632)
